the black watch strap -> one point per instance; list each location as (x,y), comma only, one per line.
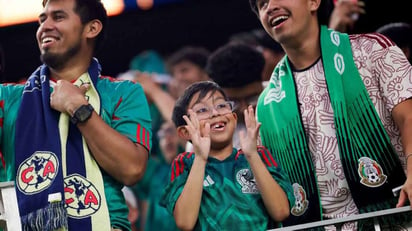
(82,114)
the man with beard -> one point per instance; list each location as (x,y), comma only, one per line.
(84,127)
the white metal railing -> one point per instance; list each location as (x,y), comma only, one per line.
(9,212)
(10,217)
(339,221)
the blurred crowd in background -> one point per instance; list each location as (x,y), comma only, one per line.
(165,76)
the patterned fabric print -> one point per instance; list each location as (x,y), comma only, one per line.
(317,116)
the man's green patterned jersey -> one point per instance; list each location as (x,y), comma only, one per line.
(123,107)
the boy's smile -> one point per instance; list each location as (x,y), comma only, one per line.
(214,110)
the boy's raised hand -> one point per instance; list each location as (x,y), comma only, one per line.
(248,138)
(199,136)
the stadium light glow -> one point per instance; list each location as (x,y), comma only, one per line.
(14,12)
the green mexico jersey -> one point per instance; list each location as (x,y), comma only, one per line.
(150,189)
(230,198)
(123,107)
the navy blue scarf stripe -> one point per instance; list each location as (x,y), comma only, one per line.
(38,151)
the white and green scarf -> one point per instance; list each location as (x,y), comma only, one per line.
(371,165)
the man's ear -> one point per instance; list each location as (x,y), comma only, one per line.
(183,133)
(93,28)
(314,4)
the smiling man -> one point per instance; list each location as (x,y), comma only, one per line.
(70,137)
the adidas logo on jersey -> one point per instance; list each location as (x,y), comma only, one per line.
(208,181)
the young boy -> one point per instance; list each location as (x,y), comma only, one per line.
(217,187)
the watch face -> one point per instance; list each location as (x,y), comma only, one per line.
(82,114)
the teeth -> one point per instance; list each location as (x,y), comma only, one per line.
(218,125)
(276,20)
(48,39)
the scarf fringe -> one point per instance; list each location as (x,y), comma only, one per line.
(53,217)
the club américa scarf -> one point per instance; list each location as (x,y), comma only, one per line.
(59,184)
(371,165)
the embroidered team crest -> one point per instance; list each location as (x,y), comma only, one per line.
(301,203)
(371,173)
(246,179)
(82,197)
(37,172)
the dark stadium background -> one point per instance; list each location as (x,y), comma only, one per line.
(168,27)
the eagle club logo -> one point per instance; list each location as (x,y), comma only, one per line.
(247,181)
(37,172)
(82,197)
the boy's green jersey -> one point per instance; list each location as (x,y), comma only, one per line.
(230,199)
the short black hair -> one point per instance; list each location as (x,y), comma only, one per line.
(193,54)
(235,65)
(89,10)
(182,103)
(324,10)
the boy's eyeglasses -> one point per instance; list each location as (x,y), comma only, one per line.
(205,112)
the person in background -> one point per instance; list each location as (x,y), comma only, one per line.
(84,135)
(132,205)
(260,40)
(345,14)
(150,188)
(337,113)
(187,66)
(237,68)
(401,34)
(271,50)
(219,187)
(149,70)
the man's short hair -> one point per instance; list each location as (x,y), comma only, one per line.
(193,54)
(235,65)
(89,10)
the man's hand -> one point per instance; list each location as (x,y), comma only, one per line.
(345,14)
(66,97)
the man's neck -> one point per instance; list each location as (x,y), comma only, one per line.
(307,52)
(70,71)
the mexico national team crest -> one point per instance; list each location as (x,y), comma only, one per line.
(301,202)
(246,179)
(371,173)
(82,197)
(37,172)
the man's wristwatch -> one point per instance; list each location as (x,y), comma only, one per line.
(82,114)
